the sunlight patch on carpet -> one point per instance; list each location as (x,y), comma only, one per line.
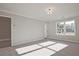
(27,49)
(58,46)
(47,43)
(41,52)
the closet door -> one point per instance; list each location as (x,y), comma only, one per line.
(5,32)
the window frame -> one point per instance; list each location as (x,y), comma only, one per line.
(71,34)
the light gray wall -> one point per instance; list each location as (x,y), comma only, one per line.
(52,31)
(25,29)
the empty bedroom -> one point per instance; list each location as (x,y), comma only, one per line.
(39,29)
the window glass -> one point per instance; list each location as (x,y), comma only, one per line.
(67,27)
(60,27)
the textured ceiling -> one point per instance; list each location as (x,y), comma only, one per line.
(38,10)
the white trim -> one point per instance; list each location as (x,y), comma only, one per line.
(45,30)
(5,16)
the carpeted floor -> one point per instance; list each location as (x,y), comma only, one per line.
(71,50)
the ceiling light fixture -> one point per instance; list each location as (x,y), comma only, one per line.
(50,11)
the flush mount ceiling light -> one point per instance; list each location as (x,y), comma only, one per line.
(50,11)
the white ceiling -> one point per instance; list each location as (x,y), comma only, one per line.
(38,10)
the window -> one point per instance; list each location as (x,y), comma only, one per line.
(60,28)
(70,28)
(66,28)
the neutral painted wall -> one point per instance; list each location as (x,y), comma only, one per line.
(52,31)
(25,29)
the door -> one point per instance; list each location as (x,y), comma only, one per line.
(5,32)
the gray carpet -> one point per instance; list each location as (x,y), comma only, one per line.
(71,50)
